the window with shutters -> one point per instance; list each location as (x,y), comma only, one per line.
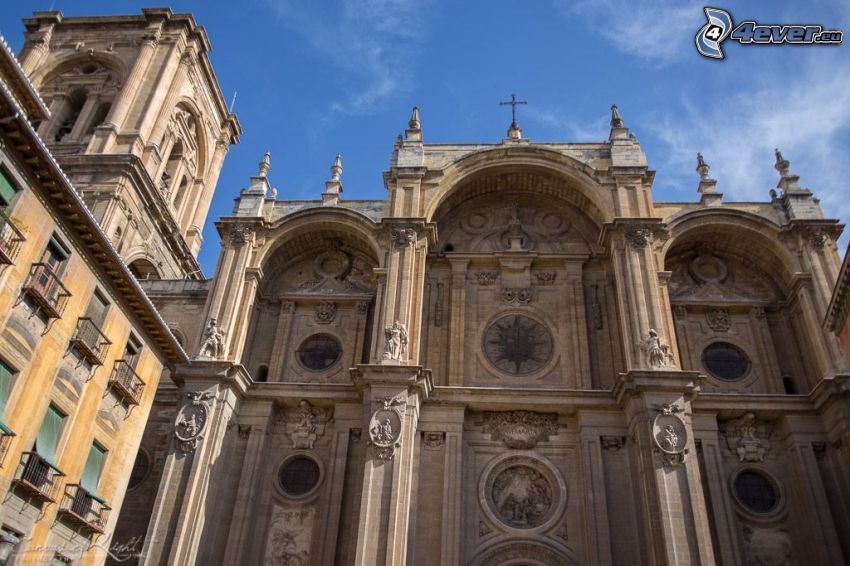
(37,472)
(7,377)
(11,237)
(44,285)
(89,339)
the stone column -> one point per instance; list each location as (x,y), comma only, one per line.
(457,322)
(658,409)
(453,418)
(202,202)
(277,361)
(37,44)
(210,394)
(595,497)
(392,396)
(256,420)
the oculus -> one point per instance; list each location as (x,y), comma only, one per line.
(755,491)
(299,476)
(517,344)
(725,361)
(319,352)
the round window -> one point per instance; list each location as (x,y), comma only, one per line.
(756,492)
(319,352)
(517,344)
(299,476)
(725,361)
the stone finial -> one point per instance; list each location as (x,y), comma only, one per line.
(514,132)
(616,120)
(336,168)
(702,167)
(414,123)
(265,165)
(782,165)
(788,181)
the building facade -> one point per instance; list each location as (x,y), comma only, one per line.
(517,357)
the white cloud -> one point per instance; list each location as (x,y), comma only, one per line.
(367,42)
(657,31)
(806,114)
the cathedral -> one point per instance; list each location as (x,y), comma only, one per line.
(518,357)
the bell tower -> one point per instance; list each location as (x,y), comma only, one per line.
(139,124)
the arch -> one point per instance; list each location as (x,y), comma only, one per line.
(64,63)
(577,180)
(143,270)
(188,105)
(526,551)
(66,121)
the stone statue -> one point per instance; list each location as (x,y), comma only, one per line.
(657,351)
(213,344)
(396,341)
(382,432)
(671,438)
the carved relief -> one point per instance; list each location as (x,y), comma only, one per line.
(332,270)
(290,536)
(638,237)
(192,420)
(325,312)
(385,427)
(305,424)
(670,435)
(708,278)
(658,355)
(395,342)
(747,437)
(213,345)
(520,430)
(612,443)
(433,440)
(239,235)
(546,277)
(523,492)
(403,236)
(718,320)
(486,277)
(817,237)
(767,547)
(516,296)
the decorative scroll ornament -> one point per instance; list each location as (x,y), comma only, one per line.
(658,355)
(213,345)
(718,320)
(516,296)
(403,236)
(395,345)
(305,424)
(385,427)
(325,312)
(670,435)
(520,430)
(192,420)
(747,437)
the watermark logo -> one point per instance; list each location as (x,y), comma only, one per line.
(720,27)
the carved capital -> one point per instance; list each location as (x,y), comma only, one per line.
(239,235)
(402,237)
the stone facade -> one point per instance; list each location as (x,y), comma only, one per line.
(517,357)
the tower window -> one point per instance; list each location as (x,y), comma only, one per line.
(70,115)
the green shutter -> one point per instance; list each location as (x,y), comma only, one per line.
(7,189)
(91,473)
(6,374)
(48,435)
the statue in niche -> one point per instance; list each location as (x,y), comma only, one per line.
(396,341)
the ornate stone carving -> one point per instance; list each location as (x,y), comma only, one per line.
(520,430)
(817,237)
(362,307)
(325,312)
(239,235)
(638,236)
(290,535)
(385,427)
(243,432)
(213,345)
(395,342)
(758,313)
(518,345)
(747,437)
(522,492)
(670,435)
(287,307)
(486,277)
(305,424)
(767,547)
(433,440)
(516,296)
(612,443)
(658,355)
(718,320)
(546,277)
(562,532)
(403,236)
(192,420)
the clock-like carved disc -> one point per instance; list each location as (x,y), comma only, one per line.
(517,344)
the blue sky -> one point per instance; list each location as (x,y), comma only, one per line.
(319,77)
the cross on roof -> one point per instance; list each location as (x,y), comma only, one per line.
(513,102)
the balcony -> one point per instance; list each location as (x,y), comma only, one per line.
(38,477)
(90,341)
(10,239)
(84,509)
(126,382)
(44,287)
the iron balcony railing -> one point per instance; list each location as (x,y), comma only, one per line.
(83,508)
(126,382)
(45,288)
(90,341)
(11,239)
(38,477)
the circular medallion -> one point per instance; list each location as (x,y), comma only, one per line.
(523,492)
(708,269)
(517,344)
(299,475)
(319,352)
(671,434)
(332,263)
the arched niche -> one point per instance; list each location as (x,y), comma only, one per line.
(143,270)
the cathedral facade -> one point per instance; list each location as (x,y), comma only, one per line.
(517,357)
